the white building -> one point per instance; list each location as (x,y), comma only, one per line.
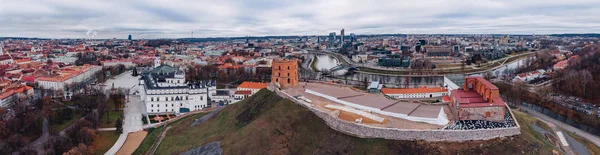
(126,63)
(164,90)
(6,59)
(526,77)
(247,89)
(360,58)
(68,75)
(7,98)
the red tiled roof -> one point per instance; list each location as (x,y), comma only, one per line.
(253,85)
(6,94)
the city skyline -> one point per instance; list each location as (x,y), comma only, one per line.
(162,19)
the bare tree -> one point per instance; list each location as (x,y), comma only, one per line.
(585,77)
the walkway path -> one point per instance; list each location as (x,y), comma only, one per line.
(594,139)
(131,123)
(38,144)
(157,142)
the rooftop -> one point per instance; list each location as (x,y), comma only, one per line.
(253,85)
(413,90)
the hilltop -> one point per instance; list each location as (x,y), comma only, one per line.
(268,124)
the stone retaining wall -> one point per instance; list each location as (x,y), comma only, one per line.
(365,131)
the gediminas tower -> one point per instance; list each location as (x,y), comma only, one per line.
(284,73)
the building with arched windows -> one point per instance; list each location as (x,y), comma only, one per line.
(164,90)
(478,100)
(284,73)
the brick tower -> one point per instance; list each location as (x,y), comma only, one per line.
(284,73)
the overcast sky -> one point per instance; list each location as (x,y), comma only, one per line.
(229,18)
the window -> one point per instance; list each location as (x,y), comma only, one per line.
(167,98)
(289,81)
(288,67)
(288,74)
(151,105)
(158,110)
(166,105)
(157,98)
(152,110)
(172,105)
(201,98)
(181,104)
(157,105)
(151,98)
(279,67)
(172,98)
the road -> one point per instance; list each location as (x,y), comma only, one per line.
(562,125)
(38,144)
(133,107)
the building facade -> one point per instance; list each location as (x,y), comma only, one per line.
(284,73)
(164,90)
(478,100)
(64,77)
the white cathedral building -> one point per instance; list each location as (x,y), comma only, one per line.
(163,90)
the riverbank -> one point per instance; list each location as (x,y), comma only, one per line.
(435,72)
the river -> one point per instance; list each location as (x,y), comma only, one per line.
(327,62)
(511,65)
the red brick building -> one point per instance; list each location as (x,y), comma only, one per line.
(478,100)
(285,73)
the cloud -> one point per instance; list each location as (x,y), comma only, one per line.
(227,18)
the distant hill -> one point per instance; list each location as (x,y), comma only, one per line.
(596,35)
(268,124)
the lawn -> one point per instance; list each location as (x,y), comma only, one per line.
(589,145)
(530,135)
(104,141)
(177,136)
(268,124)
(112,119)
(144,147)
(65,123)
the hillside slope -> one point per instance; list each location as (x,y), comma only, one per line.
(268,124)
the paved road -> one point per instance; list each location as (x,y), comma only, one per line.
(133,114)
(562,125)
(38,144)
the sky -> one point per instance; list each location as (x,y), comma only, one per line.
(148,19)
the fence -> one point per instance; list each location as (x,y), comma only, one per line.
(366,131)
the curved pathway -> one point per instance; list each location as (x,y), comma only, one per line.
(594,139)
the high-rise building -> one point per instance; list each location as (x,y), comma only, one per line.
(456,48)
(342,36)
(352,37)
(332,37)
(129,37)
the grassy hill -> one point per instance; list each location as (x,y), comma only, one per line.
(268,124)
